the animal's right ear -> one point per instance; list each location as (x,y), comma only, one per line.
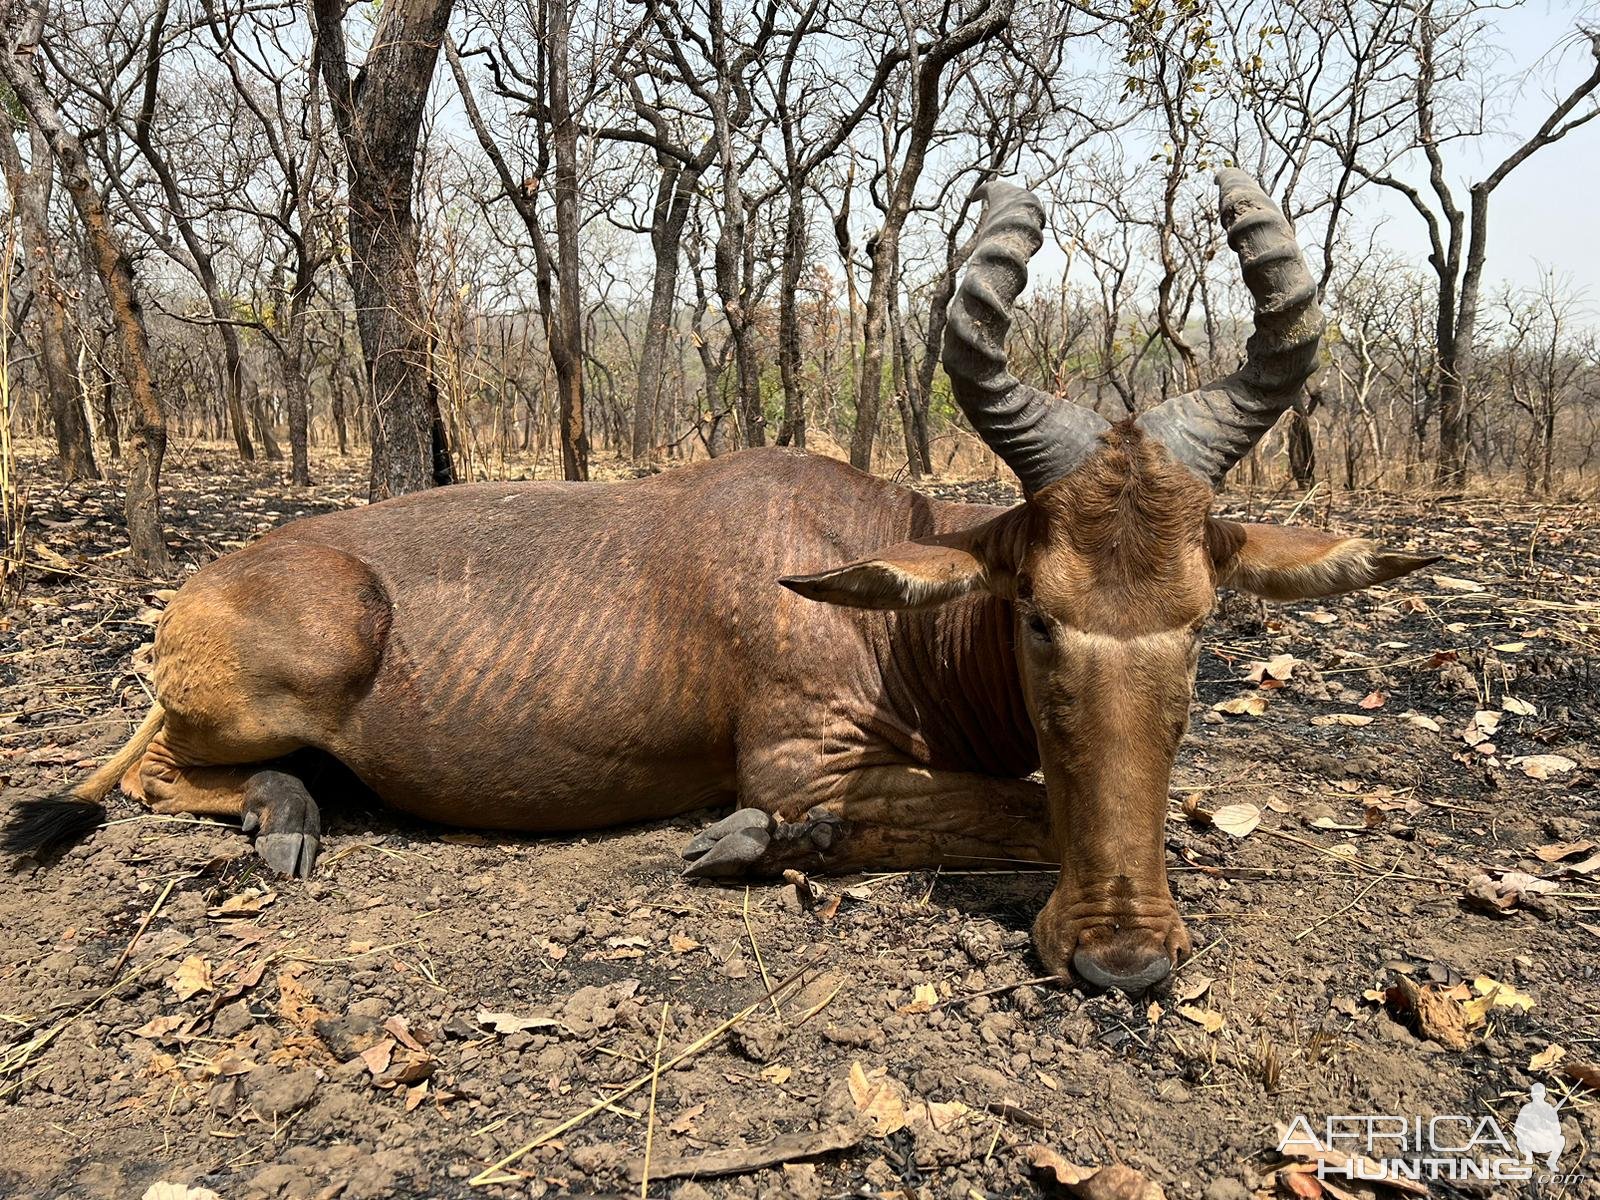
(921,573)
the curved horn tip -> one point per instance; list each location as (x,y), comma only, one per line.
(1232,179)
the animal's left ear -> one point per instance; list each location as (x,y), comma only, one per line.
(1290,563)
(920,573)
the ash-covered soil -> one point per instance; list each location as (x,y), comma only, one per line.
(1409,924)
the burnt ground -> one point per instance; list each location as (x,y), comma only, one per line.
(433,1002)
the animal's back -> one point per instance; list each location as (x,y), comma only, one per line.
(564,656)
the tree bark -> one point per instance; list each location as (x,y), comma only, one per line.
(336,387)
(1302,449)
(675,192)
(30,195)
(148,443)
(379,118)
(566,342)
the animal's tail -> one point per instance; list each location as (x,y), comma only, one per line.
(38,827)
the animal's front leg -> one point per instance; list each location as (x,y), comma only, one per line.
(885,818)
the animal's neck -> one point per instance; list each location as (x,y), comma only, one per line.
(950,676)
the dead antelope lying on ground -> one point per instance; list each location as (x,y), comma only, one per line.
(549,657)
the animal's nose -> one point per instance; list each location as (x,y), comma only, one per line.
(1130,972)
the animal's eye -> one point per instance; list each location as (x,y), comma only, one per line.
(1039,627)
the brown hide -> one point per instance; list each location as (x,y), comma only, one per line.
(562,657)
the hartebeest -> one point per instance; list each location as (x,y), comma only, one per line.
(547,656)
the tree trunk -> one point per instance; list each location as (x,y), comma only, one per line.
(296,390)
(336,387)
(1450,467)
(869,386)
(105,388)
(1302,449)
(260,418)
(566,343)
(379,116)
(296,404)
(147,446)
(793,430)
(674,196)
(30,193)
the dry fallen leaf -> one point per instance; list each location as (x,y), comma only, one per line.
(1345,1165)
(1422,722)
(1236,820)
(1208,1019)
(247,903)
(1354,720)
(1586,1073)
(1438,1010)
(1492,994)
(1481,728)
(1374,700)
(923,998)
(1547,1057)
(1542,766)
(1556,851)
(178,1191)
(295,1003)
(777,1074)
(1115,1182)
(878,1100)
(1299,1179)
(378,1056)
(511,1023)
(684,1121)
(1500,896)
(1452,583)
(1517,707)
(192,977)
(1273,672)
(158,1028)
(1252,705)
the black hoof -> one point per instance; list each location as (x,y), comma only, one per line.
(733,846)
(289,853)
(752,842)
(286,822)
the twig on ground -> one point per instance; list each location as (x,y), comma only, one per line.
(494,1173)
(1339,912)
(755,948)
(650,1120)
(148,917)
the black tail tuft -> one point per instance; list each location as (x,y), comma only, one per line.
(38,827)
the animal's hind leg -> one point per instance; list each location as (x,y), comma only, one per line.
(272,804)
(889,818)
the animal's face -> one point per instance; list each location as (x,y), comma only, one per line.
(1110,574)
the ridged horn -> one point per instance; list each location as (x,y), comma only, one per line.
(1040,437)
(1211,429)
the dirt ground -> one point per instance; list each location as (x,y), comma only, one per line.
(1408,923)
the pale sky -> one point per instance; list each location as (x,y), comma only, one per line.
(1544,216)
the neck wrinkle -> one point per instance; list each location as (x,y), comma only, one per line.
(950,674)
